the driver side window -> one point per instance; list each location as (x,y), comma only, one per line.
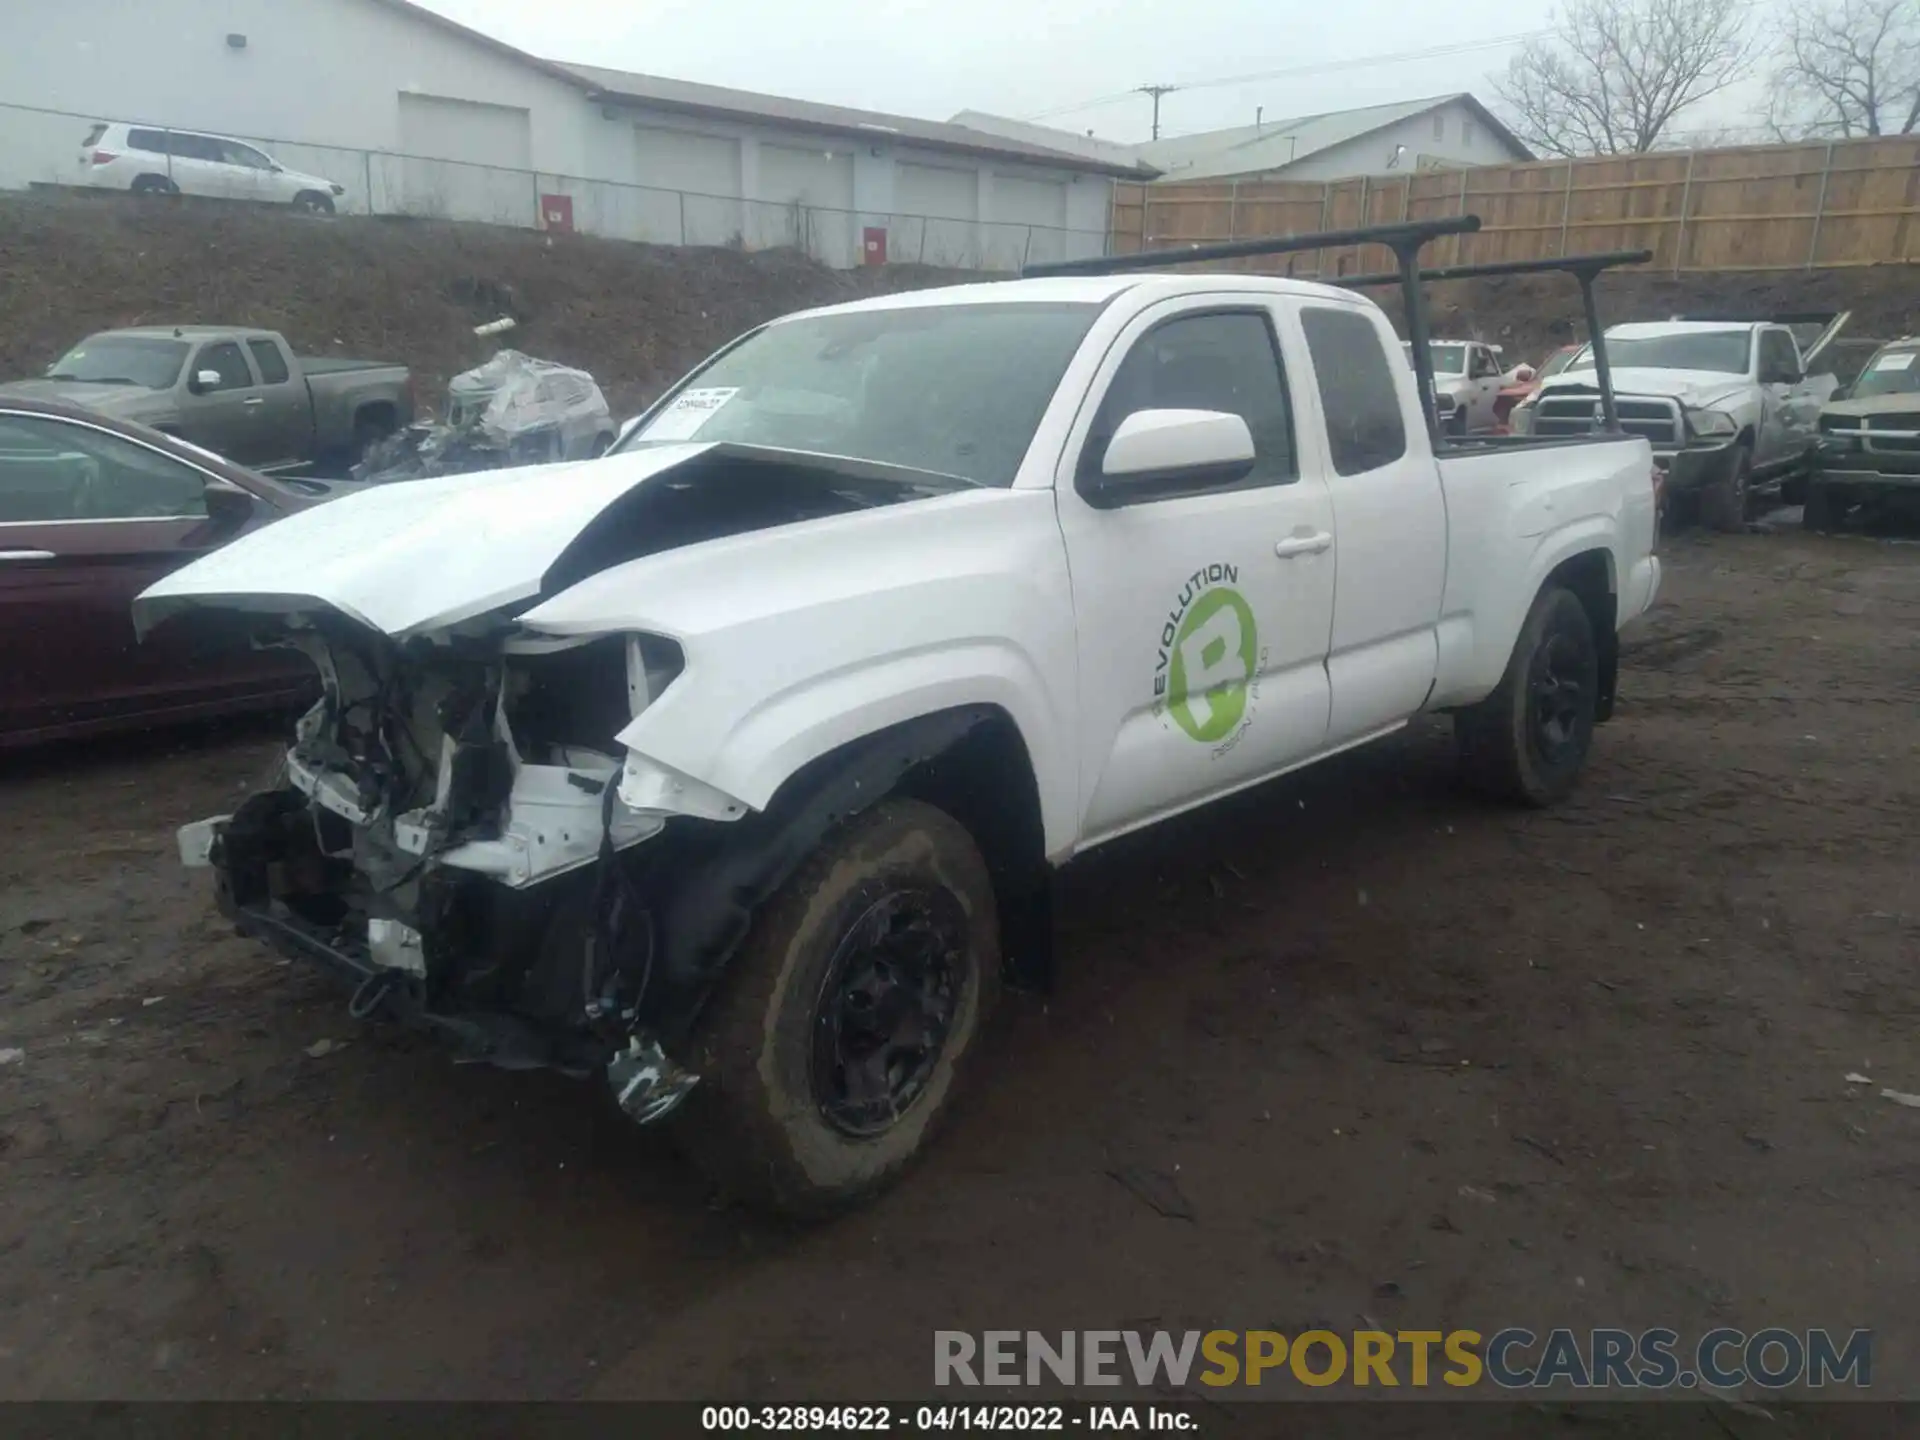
(225,357)
(1227,361)
(1779,362)
(52,472)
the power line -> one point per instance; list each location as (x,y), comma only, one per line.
(1431,52)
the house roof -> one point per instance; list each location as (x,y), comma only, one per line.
(717,102)
(1270,146)
(1275,144)
(688,97)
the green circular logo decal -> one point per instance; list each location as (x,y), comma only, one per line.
(1214,655)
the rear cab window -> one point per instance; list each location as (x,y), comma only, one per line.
(273,368)
(1365,427)
(93,137)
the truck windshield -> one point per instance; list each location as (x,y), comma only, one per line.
(955,390)
(1446,359)
(1723,350)
(122,360)
(1891,372)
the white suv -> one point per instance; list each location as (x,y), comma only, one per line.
(150,161)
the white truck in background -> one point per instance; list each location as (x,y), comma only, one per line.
(1731,407)
(734,766)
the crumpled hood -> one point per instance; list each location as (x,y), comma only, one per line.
(123,402)
(1702,389)
(413,555)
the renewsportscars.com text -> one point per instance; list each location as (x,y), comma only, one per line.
(1510,1359)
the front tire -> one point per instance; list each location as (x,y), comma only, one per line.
(311,202)
(1528,741)
(839,1040)
(1723,504)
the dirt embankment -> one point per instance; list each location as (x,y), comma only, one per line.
(637,316)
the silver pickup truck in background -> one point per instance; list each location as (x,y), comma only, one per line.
(1730,404)
(240,393)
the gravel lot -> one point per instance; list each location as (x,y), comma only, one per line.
(1404,1055)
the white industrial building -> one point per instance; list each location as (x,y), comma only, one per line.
(1439,132)
(412,113)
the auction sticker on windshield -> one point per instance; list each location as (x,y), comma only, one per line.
(1896,360)
(690,410)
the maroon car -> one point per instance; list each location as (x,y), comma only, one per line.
(92,511)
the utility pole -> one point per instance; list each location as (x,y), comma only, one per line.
(1156,91)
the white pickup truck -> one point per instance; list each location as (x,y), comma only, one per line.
(744,755)
(1730,406)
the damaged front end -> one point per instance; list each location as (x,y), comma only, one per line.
(451,834)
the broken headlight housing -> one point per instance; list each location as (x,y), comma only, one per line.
(1710,425)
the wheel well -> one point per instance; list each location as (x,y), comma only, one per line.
(986,782)
(703,880)
(377,413)
(1589,575)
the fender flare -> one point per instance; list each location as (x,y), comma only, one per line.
(704,880)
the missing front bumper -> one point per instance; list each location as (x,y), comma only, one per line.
(385,970)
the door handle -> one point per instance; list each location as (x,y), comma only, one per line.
(27,555)
(1297,545)
(255,400)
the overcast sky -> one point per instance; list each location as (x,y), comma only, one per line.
(1024,57)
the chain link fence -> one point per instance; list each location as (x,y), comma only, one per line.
(41,147)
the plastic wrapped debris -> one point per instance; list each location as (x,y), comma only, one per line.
(513,410)
(515,396)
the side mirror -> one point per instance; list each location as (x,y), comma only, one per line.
(228,506)
(1173,451)
(203,381)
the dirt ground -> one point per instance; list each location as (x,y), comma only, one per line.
(1406,1056)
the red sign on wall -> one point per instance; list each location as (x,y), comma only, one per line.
(556,213)
(873,245)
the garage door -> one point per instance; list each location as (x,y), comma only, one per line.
(807,201)
(1029,202)
(935,209)
(467,161)
(693,176)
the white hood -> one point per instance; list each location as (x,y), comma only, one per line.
(1689,387)
(414,555)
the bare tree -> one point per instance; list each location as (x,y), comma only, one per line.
(1848,68)
(1616,72)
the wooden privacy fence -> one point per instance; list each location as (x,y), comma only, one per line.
(1775,207)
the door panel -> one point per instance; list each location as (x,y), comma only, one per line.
(87,521)
(227,420)
(1202,646)
(284,423)
(1391,520)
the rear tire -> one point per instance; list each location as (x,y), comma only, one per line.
(1528,741)
(154,185)
(840,1038)
(1723,504)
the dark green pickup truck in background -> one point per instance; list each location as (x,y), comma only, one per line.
(240,393)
